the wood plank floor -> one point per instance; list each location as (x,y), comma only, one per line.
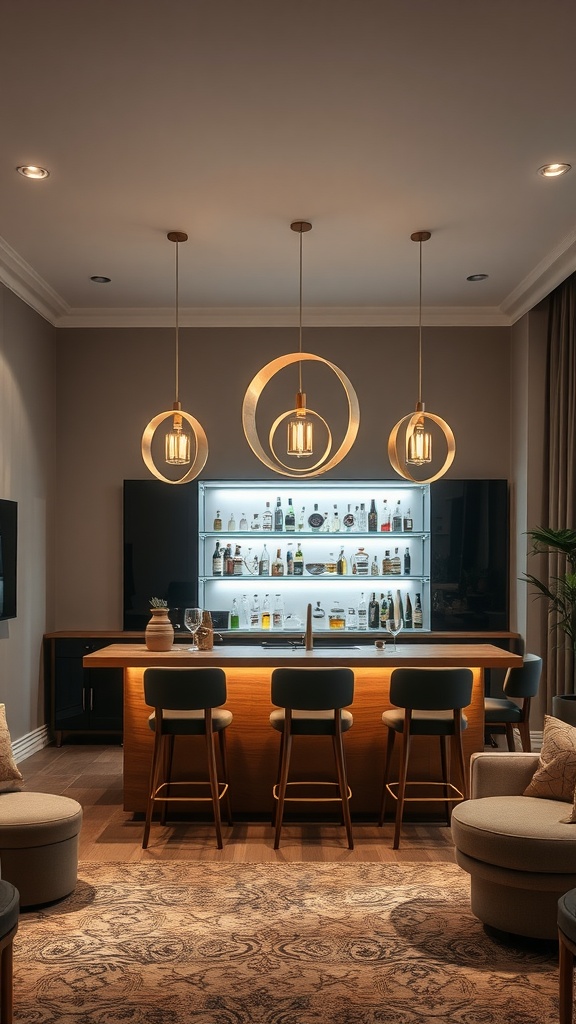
(92,774)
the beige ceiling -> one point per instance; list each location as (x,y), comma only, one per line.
(228,119)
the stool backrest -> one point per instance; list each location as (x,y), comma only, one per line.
(431,689)
(524,680)
(312,689)
(184,689)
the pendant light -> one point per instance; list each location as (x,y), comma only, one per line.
(177,441)
(300,435)
(418,440)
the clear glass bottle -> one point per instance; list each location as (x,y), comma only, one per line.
(231,523)
(397,519)
(362,612)
(255,524)
(335,524)
(302,518)
(385,522)
(255,612)
(245,611)
(351,620)
(234,615)
(396,563)
(374,567)
(278,612)
(243,522)
(264,563)
(331,565)
(362,518)
(337,617)
(325,528)
(318,612)
(360,563)
(265,618)
(267,517)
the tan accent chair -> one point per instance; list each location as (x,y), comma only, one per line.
(520,855)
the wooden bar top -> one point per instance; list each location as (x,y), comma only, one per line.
(362,656)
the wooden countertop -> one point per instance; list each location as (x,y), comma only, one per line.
(426,655)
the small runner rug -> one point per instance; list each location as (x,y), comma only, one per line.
(303,943)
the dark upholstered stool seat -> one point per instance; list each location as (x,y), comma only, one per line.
(190,723)
(567,952)
(9,911)
(501,714)
(311,723)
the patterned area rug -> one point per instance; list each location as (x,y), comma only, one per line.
(275,944)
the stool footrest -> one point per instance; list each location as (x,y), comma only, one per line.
(156,796)
(444,798)
(312,799)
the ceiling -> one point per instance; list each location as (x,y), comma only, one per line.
(228,119)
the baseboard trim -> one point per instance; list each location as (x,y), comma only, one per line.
(30,744)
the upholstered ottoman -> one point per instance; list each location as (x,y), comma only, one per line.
(39,845)
(518,850)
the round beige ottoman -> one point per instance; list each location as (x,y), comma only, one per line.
(39,845)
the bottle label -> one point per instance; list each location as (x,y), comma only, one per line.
(315,521)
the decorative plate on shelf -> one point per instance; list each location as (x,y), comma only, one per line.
(315,568)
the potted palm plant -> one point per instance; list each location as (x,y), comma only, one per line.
(560,593)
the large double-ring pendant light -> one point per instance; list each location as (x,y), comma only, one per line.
(301,419)
(412,428)
(177,442)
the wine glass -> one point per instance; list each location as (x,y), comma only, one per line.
(193,621)
(394,626)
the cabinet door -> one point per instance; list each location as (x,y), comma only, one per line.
(105,699)
(70,710)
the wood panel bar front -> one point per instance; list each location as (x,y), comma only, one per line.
(253,744)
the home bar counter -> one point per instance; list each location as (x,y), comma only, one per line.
(253,744)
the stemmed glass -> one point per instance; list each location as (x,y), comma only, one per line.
(394,626)
(193,621)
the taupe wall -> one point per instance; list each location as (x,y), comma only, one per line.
(110,382)
(27,475)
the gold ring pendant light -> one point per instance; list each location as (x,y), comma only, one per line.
(418,442)
(301,418)
(177,440)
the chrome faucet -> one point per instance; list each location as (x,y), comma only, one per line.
(309,639)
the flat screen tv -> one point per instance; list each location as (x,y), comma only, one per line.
(8,557)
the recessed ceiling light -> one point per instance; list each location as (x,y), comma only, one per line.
(554,170)
(477,277)
(32,171)
(98,279)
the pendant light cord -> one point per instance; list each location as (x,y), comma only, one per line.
(420,330)
(300,321)
(177,322)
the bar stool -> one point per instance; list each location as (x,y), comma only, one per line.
(9,910)
(502,714)
(186,702)
(566,953)
(312,702)
(432,699)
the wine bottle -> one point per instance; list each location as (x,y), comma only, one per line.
(335,524)
(397,519)
(278,612)
(290,518)
(362,518)
(372,518)
(278,517)
(408,522)
(418,616)
(265,618)
(385,524)
(237,562)
(299,562)
(217,522)
(231,523)
(383,611)
(396,563)
(264,563)
(234,615)
(217,564)
(408,621)
(289,561)
(342,565)
(362,612)
(390,605)
(407,562)
(315,520)
(373,613)
(278,564)
(267,517)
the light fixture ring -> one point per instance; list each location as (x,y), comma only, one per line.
(252,397)
(284,416)
(410,420)
(200,440)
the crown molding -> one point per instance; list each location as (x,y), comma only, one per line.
(546,276)
(23,280)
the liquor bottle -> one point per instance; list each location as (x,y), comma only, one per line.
(290,518)
(385,524)
(237,562)
(318,612)
(362,518)
(255,612)
(267,518)
(255,524)
(265,619)
(278,517)
(407,562)
(362,612)
(264,563)
(243,522)
(383,611)
(228,561)
(289,561)
(386,564)
(231,523)
(335,524)
(372,518)
(315,520)
(278,612)
(217,564)
(418,616)
(396,563)
(390,605)
(374,567)
(342,565)
(234,615)
(302,518)
(397,519)
(245,611)
(373,613)
(349,520)
(398,607)
(218,522)
(351,618)
(408,621)
(251,562)
(325,528)
(278,564)
(408,522)
(299,562)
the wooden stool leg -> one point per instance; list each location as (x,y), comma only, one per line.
(213,775)
(342,782)
(510,736)
(524,730)
(224,759)
(566,980)
(444,758)
(168,759)
(278,776)
(154,770)
(402,780)
(389,752)
(460,751)
(284,768)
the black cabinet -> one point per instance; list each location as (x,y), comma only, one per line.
(82,700)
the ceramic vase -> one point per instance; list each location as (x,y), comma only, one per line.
(159,633)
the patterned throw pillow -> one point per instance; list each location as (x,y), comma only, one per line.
(555,776)
(10,776)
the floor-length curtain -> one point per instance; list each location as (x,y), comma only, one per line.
(561,448)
